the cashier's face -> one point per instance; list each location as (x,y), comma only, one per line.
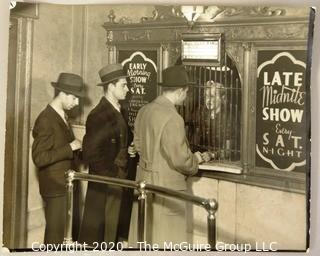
(213,98)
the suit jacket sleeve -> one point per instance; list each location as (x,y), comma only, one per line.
(176,148)
(43,151)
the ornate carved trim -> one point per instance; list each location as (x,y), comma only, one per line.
(247,46)
(111,17)
(165,47)
(253,11)
(110,48)
(109,36)
(146,35)
(277,32)
(163,13)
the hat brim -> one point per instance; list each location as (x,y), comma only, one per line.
(110,80)
(75,93)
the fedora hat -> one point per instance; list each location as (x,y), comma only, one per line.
(70,83)
(111,72)
(175,76)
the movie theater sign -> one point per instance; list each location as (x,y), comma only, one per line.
(281,118)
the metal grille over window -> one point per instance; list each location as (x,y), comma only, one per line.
(212,111)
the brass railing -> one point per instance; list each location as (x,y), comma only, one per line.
(210,205)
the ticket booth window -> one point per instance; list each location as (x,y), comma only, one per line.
(212,110)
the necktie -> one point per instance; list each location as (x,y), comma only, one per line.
(66,120)
(66,117)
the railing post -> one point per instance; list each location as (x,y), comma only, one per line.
(141,211)
(211,206)
(69,213)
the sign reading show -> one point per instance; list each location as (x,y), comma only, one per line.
(141,69)
(281,114)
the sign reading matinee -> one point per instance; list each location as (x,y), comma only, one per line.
(281,118)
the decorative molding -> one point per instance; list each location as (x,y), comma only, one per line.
(247,46)
(287,32)
(204,30)
(155,15)
(217,15)
(125,20)
(163,13)
(177,34)
(127,36)
(235,32)
(235,52)
(276,32)
(241,33)
(109,36)
(253,11)
(174,53)
(165,47)
(110,48)
(213,11)
(111,17)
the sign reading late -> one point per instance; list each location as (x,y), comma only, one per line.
(281,114)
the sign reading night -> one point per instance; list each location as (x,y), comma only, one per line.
(281,115)
(142,81)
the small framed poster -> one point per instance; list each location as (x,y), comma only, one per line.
(201,49)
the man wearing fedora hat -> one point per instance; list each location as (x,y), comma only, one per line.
(53,152)
(165,159)
(105,151)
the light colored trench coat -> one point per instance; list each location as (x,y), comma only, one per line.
(165,160)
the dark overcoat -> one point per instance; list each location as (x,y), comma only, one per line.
(101,143)
(101,151)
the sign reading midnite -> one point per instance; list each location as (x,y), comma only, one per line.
(282,87)
(281,125)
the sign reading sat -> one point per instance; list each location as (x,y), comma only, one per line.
(281,110)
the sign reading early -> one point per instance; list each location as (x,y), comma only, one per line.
(281,115)
(142,82)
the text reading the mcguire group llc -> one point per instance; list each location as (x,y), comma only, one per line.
(165,246)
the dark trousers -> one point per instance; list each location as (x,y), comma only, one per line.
(127,201)
(55,215)
(101,214)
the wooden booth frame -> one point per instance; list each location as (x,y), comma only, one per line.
(242,45)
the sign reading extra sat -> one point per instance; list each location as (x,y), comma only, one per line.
(281,118)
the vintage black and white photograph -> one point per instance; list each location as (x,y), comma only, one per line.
(158,127)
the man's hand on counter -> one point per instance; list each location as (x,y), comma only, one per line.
(206,156)
(203,157)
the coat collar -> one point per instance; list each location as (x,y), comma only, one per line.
(58,118)
(162,100)
(115,104)
(108,109)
